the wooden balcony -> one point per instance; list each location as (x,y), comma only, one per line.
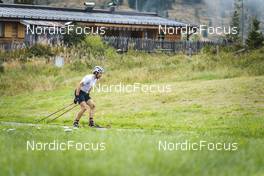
(154,45)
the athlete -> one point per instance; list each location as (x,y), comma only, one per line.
(82,96)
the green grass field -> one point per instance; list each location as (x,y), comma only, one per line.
(218,101)
(225,110)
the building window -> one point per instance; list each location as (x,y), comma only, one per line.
(14,30)
(2,30)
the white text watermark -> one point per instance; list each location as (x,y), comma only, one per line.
(197,146)
(56,145)
(188,29)
(132,88)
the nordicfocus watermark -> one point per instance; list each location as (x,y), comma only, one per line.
(101,30)
(196,146)
(56,145)
(65,30)
(132,88)
(189,29)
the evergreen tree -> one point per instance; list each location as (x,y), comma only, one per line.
(159,6)
(24,1)
(235,24)
(255,37)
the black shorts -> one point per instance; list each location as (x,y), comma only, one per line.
(83,96)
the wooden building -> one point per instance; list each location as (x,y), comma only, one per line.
(14,20)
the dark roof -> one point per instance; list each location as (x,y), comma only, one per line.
(42,23)
(31,12)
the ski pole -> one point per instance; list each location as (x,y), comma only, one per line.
(62,114)
(54,113)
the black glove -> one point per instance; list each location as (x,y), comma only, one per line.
(76,99)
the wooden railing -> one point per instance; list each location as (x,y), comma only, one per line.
(151,45)
(11,46)
(123,44)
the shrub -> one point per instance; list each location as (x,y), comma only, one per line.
(95,45)
(73,39)
(39,50)
(209,49)
(110,53)
(78,66)
(2,69)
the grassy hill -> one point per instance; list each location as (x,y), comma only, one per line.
(217,99)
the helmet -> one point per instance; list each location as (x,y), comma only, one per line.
(98,69)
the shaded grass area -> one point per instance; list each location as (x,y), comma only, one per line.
(127,153)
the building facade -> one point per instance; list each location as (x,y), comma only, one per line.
(14,20)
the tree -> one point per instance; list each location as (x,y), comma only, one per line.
(255,37)
(113,3)
(159,6)
(235,24)
(24,2)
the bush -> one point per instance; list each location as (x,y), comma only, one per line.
(12,55)
(39,50)
(2,69)
(78,66)
(110,53)
(209,49)
(95,45)
(73,39)
(93,49)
